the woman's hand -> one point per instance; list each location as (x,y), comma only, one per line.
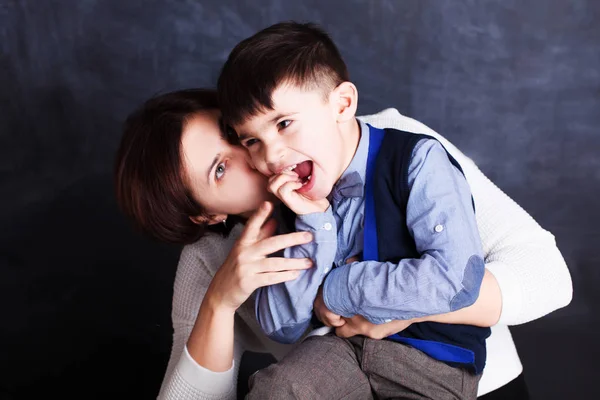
(247,267)
(358,325)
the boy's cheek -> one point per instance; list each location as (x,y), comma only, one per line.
(251,163)
(251,159)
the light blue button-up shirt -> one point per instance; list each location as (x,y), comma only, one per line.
(441,219)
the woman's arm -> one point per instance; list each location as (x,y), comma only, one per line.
(188,376)
(206,366)
(528,267)
(485,312)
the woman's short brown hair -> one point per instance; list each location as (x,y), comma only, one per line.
(149,172)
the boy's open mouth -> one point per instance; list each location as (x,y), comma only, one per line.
(304,171)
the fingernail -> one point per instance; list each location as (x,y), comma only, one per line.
(309,262)
(308,236)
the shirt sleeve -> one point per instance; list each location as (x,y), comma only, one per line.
(448,274)
(284,311)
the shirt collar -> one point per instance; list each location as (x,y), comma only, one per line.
(352,181)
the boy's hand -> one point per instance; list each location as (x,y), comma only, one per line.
(285,186)
(358,325)
(324,314)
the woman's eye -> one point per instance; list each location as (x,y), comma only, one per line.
(220,171)
(284,124)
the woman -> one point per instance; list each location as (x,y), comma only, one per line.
(180,180)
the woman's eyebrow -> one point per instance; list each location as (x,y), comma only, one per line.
(212,165)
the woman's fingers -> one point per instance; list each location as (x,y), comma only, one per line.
(252,231)
(273,278)
(268,229)
(275,243)
(277,264)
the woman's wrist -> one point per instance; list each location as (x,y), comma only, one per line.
(211,341)
(214,305)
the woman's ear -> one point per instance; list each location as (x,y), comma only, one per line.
(345,100)
(210,220)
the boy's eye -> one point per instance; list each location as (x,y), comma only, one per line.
(250,142)
(284,124)
(220,171)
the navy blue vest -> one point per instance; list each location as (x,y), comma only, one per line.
(386,198)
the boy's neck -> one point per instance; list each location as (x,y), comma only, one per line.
(351,137)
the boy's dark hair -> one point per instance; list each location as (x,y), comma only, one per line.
(288,52)
(150,181)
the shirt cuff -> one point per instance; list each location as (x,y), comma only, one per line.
(321,225)
(510,288)
(336,292)
(204,380)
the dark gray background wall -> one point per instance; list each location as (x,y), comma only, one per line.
(85,301)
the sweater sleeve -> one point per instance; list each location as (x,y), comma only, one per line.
(530,270)
(184,378)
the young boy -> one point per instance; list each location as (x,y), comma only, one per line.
(397,201)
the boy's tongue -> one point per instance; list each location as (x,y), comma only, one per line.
(304,169)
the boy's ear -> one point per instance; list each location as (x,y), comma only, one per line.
(210,220)
(345,100)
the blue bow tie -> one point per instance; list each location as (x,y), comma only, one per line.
(349,185)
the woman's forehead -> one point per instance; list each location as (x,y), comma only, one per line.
(202,142)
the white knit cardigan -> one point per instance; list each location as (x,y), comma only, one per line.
(530,270)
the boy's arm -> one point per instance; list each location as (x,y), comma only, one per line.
(532,274)
(485,312)
(284,311)
(446,277)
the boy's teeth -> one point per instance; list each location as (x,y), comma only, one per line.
(307,180)
(291,168)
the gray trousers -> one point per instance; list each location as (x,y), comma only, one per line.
(329,367)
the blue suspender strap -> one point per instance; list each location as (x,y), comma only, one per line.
(439,351)
(370,250)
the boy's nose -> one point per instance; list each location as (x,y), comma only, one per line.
(275,167)
(274,159)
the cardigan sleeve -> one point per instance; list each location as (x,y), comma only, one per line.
(531,272)
(184,378)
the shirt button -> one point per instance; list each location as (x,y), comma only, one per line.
(387,320)
(439,228)
(327,226)
(327,269)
